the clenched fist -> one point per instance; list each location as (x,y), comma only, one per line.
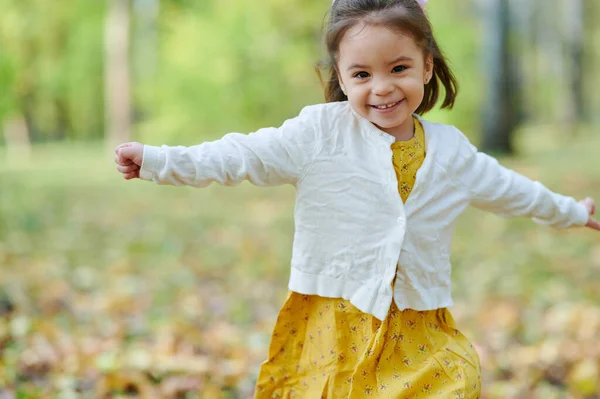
(128,157)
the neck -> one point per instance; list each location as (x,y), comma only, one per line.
(403,132)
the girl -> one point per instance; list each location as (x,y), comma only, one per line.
(378,192)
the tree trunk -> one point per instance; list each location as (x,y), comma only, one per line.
(499,115)
(592,38)
(573,12)
(18,145)
(145,50)
(117,79)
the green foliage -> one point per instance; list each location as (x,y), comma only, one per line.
(462,46)
(51,66)
(220,66)
(233,67)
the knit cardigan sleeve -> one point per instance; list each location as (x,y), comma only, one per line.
(267,157)
(496,189)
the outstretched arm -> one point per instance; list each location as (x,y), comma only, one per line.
(497,189)
(270,156)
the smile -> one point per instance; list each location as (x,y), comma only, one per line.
(386,107)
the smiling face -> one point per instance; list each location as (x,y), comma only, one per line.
(383,74)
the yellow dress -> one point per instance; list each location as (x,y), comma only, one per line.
(327,348)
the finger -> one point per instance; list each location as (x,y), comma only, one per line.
(122,162)
(123,158)
(127,168)
(589,204)
(128,153)
(117,148)
(130,175)
(593,224)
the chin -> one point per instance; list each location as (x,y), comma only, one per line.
(387,124)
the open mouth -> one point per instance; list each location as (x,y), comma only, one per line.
(386,107)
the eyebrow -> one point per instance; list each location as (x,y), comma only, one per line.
(360,66)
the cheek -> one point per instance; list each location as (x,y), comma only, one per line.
(357,94)
(417,88)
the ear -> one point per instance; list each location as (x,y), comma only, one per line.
(343,88)
(428,69)
(341,81)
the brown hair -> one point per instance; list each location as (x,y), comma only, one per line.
(401,15)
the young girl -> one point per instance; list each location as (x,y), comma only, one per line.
(378,192)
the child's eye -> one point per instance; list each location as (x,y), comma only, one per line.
(399,68)
(361,75)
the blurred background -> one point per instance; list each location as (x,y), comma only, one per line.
(117,289)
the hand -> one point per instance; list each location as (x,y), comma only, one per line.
(591,207)
(128,157)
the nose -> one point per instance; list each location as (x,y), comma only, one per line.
(382,86)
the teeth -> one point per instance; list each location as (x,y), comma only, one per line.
(385,106)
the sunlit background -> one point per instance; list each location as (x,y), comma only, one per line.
(117,289)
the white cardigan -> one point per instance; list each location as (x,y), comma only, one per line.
(353,234)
